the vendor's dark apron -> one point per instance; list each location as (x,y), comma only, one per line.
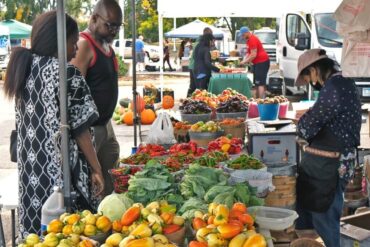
(318,176)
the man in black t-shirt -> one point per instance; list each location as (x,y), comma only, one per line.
(97,62)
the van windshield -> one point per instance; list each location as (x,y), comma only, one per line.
(326,30)
(267,38)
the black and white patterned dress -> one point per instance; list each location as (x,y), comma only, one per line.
(38,125)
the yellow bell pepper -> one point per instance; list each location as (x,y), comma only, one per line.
(215,240)
(157,228)
(125,241)
(78,227)
(178,220)
(222,215)
(159,238)
(67,230)
(202,233)
(71,219)
(51,240)
(90,219)
(55,226)
(143,242)
(32,239)
(212,208)
(142,231)
(85,243)
(145,213)
(90,230)
(103,223)
(85,213)
(256,240)
(114,239)
(238,240)
(154,218)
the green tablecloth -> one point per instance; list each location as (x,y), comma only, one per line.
(238,81)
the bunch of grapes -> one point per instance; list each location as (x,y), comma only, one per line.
(190,106)
(233,104)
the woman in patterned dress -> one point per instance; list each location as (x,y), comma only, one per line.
(33,80)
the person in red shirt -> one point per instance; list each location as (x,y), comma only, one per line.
(258,57)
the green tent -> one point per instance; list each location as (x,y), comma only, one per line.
(18,30)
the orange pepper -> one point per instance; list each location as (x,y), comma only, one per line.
(130,216)
(171,229)
(238,206)
(228,230)
(103,223)
(167,217)
(198,223)
(197,244)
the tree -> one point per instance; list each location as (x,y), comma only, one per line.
(27,10)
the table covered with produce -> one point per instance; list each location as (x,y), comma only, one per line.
(204,186)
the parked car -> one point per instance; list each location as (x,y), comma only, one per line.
(266,35)
(152,51)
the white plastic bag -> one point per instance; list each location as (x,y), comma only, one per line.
(354,14)
(161,131)
(355,59)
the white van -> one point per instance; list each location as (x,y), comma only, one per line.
(300,31)
(4,47)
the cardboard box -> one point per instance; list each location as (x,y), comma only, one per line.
(355,230)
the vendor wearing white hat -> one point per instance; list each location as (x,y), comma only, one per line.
(331,129)
(257,56)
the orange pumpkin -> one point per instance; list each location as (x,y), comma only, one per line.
(168,102)
(147,116)
(128,118)
(140,104)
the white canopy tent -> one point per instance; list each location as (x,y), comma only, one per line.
(193,30)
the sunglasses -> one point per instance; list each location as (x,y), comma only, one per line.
(113,27)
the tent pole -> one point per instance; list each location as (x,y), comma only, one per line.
(62,57)
(122,32)
(160,29)
(134,92)
(174,39)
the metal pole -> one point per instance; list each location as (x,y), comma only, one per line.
(160,27)
(122,42)
(62,57)
(174,39)
(134,93)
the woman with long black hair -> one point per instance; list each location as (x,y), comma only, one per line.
(33,81)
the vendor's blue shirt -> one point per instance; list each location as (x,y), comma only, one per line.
(139,45)
(339,108)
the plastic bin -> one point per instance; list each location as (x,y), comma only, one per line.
(283,109)
(253,110)
(268,111)
(194,118)
(276,219)
(221,115)
(282,169)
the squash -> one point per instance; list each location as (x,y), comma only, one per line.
(128,118)
(168,102)
(147,116)
(140,104)
(124,102)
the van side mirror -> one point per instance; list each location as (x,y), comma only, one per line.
(302,42)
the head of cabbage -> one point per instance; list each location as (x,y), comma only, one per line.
(113,206)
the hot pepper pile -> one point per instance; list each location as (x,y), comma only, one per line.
(152,149)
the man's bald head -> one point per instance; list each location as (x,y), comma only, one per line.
(108,6)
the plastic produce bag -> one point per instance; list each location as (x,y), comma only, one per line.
(354,15)
(161,131)
(355,59)
(261,180)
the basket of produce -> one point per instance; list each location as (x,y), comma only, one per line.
(229,145)
(204,96)
(153,150)
(283,106)
(137,160)
(233,127)
(120,177)
(180,131)
(202,133)
(212,159)
(193,111)
(233,107)
(244,162)
(176,162)
(268,108)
